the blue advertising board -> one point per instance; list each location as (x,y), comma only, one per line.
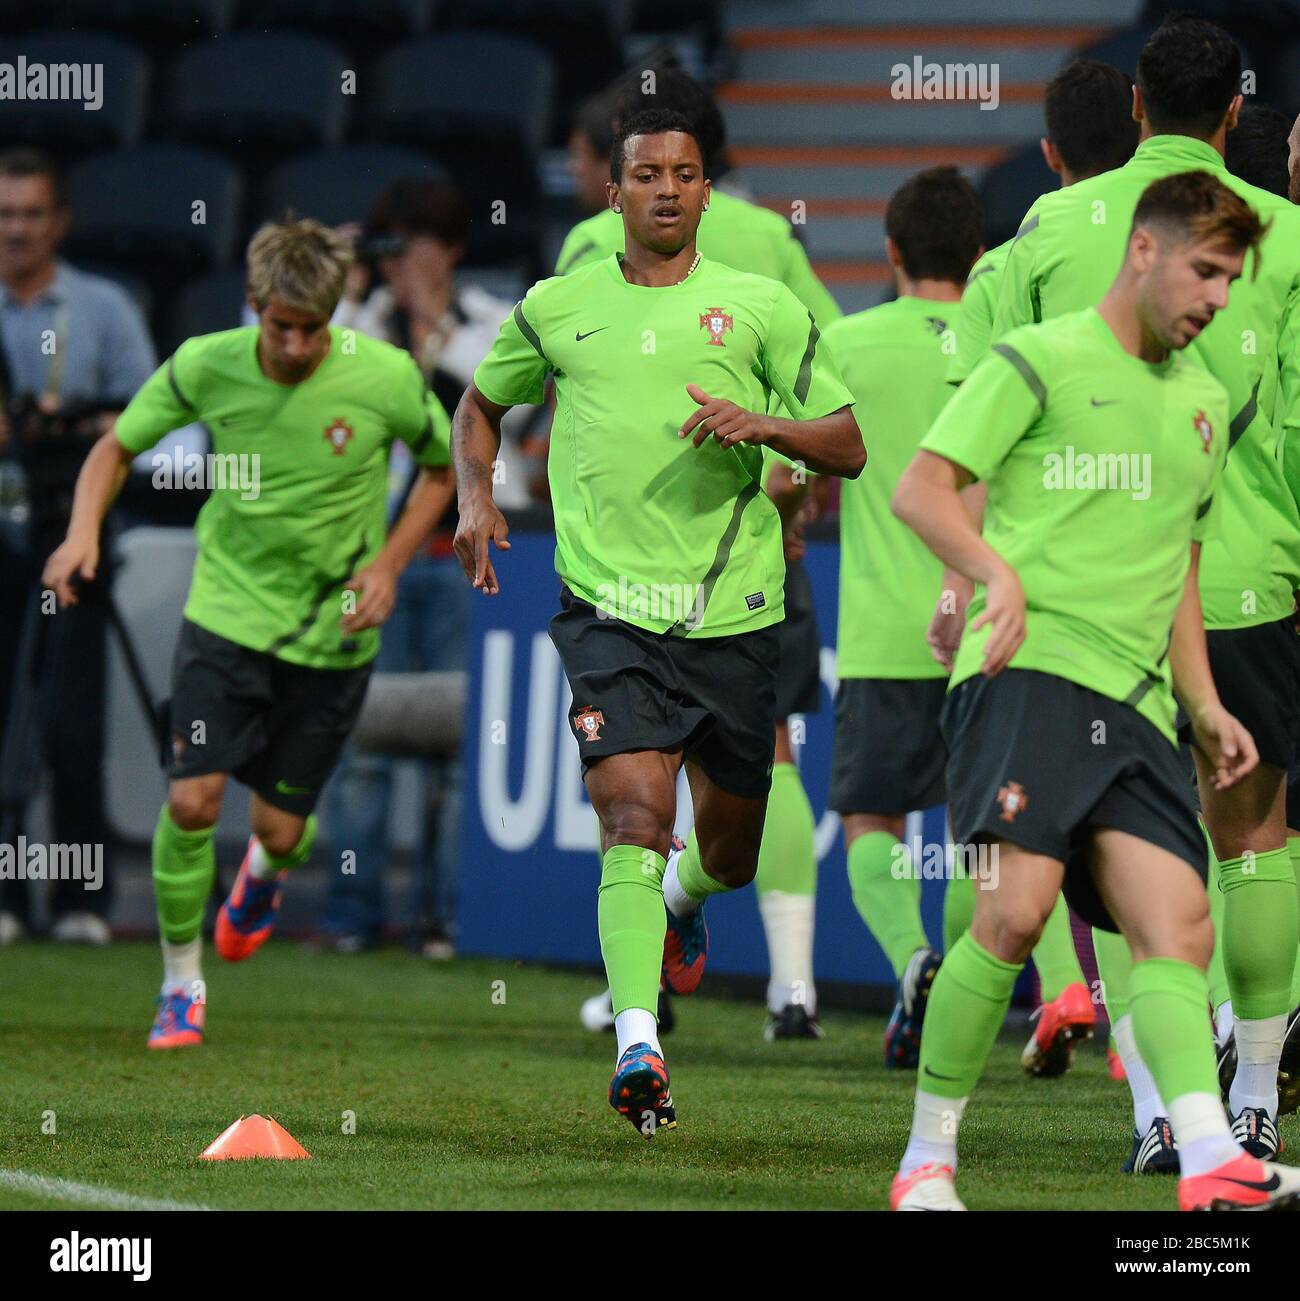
(529,859)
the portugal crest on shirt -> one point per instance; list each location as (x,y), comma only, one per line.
(588,723)
(339,433)
(1203,427)
(717,322)
(1012,799)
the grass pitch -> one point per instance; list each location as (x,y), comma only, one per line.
(463,1100)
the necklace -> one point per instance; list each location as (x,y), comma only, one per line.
(690,271)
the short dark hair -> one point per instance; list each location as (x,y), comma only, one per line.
(936,219)
(649,122)
(675,91)
(420,205)
(594,118)
(1257,151)
(1188,72)
(1199,206)
(26,161)
(1089,117)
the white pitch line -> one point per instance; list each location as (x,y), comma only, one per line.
(66,1190)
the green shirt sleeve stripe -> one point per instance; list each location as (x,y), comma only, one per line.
(1204,508)
(1031,224)
(527,330)
(804,382)
(581,251)
(426,435)
(1027,372)
(983,271)
(176,388)
(1241,421)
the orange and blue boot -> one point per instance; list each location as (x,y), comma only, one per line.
(247,918)
(1068,1019)
(1243,1184)
(639,1090)
(179,1020)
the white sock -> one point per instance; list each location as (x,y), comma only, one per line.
(1201,1132)
(259,865)
(634,1025)
(680,904)
(788,923)
(1222,1022)
(181,965)
(934,1132)
(1259,1048)
(1146,1096)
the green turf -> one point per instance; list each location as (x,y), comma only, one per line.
(463,1101)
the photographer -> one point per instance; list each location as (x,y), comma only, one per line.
(73,349)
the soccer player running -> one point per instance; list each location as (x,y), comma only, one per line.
(888,756)
(669,552)
(1187,99)
(749,237)
(1103,450)
(295,572)
(1088,117)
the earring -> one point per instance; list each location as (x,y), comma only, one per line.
(617,208)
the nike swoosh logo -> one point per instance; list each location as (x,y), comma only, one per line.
(285,789)
(578,338)
(937,1076)
(1104,402)
(1271,1185)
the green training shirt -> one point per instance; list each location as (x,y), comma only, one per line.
(894,359)
(302,505)
(1068,251)
(979,302)
(735,232)
(650,529)
(1101,472)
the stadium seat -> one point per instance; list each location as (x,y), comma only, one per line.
(432,89)
(66,127)
(158,25)
(363,28)
(1008,189)
(263,91)
(208,303)
(1286,79)
(339,185)
(139,207)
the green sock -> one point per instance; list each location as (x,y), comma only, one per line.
(1115,971)
(958,908)
(300,853)
(1054,955)
(1167,1003)
(968,1003)
(1293,848)
(1261,931)
(184,867)
(630,917)
(787,860)
(1215,974)
(692,877)
(890,905)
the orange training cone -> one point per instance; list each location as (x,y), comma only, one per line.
(253,1136)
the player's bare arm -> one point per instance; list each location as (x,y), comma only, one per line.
(377,581)
(944,633)
(1222,739)
(928,501)
(101,479)
(475,440)
(831,444)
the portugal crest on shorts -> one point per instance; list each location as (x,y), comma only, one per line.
(717,322)
(339,433)
(1011,799)
(588,723)
(1203,427)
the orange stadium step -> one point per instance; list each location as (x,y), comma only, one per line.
(1016,36)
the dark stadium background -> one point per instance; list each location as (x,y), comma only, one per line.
(238,103)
